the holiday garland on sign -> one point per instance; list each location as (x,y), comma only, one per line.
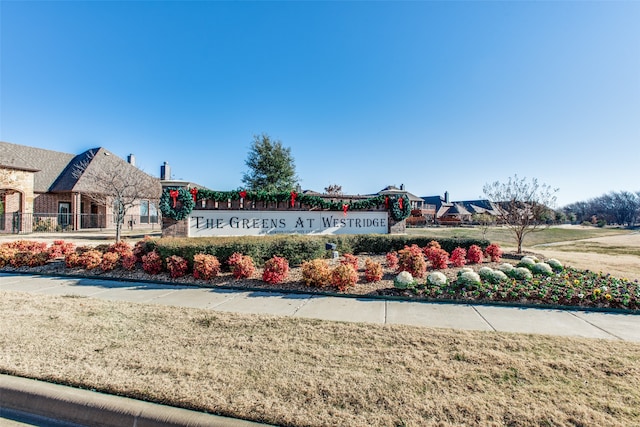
(177,203)
(399,206)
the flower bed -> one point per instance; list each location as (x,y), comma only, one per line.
(530,281)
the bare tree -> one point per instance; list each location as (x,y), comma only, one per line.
(524,205)
(484,220)
(333,189)
(108,180)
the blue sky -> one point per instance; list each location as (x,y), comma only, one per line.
(439,96)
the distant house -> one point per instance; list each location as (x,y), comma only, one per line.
(45,190)
(459,212)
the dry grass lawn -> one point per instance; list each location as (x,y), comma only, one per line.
(298,372)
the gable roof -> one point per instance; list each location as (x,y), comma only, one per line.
(48,164)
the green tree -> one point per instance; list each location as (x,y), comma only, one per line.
(524,205)
(271,166)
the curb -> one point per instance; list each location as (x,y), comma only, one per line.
(84,407)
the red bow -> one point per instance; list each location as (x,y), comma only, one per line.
(344,209)
(293,198)
(243,194)
(386,202)
(400,203)
(194,193)
(174,195)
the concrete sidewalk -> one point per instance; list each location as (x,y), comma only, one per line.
(578,323)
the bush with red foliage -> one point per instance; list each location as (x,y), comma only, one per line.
(177,266)
(241,265)
(121,248)
(205,266)
(392,260)
(411,259)
(90,259)
(439,258)
(152,263)
(351,260)
(316,273)
(276,270)
(474,254)
(458,257)
(372,270)
(128,261)
(343,277)
(60,248)
(109,261)
(494,252)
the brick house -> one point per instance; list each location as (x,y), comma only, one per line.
(45,190)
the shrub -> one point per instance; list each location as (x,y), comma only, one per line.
(351,260)
(129,261)
(72,260)
(458,257)
(434,244)
(90,259)
(242,266)
(474,254)
(205,266)
(142,248)
(316,273)
(437,279)
(177,266)
(121,248)
(521,273)
(439,258)
(527,262)
(109,261)
(152,263)
(29,259)
(59,249)
(498,276)
(372,270)
(468,279)
(494,252)
(344,276)
(6,255)
(542,268)
(555,265)
(276,270)
(506,268)
(404,280)
(411,259)
(392,260)
(485,273)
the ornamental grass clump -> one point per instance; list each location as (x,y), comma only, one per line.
(316,273)
(241,265)
(177,266)
(411,259)
(343,277)
(404,280)
(437,278)
(372,271)
(555,265)
(468,279)
(152,263)
(276,270)
(205,266)
(542,268)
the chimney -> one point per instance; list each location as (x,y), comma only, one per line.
(402,187)
(446,197)
(131,159)
(165,171)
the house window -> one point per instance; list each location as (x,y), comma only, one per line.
(148,212)
(64,214)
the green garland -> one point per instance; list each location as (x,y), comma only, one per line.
(185,203)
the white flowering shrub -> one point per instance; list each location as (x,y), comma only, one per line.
(404,280)
(498,276)
(521,273)
(555,265)
(527,262)
(464,269)
(468,279)
(437,279)
(485,273)
(506,268)
(542,268)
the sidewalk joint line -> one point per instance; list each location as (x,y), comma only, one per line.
(483,318)
(573,313)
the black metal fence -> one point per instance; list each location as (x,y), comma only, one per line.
(19,223)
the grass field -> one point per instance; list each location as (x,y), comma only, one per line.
(297,372)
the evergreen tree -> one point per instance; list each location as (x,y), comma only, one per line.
(271,166)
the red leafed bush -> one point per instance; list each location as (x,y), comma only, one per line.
(344,276)
(392,260)
(27,246)
(6,255)
(29,259)
(316,273)
(205,266)
(474,254)
(90,259)
(72,260)
(152,263)
(351,260)
(458,257)
(372,270)
(241,265)
(129,261)
(439,258)
(121,248)
(276,270)
(411,259)
(60,248)
(109,261)
(141,248)
(177,266)
(494,252)
(434,244)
